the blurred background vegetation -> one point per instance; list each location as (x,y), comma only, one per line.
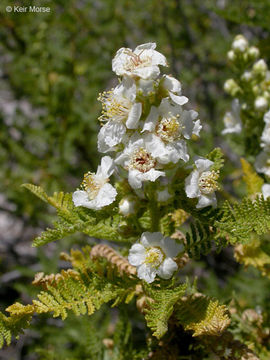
(52,67)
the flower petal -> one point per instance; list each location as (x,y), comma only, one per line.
(266,191)
(106,168)
(80,198)
(134,116)
(203,164)
(110,135)
(192,184)
(151,239)
(105,196)
(207,200)
(171,247)
(179,100)
(151,120)
(136,254)
(147,273)
(167,268)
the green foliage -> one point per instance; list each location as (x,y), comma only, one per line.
(160,311)
(239,221)
(74,219)
(251,12)
(202,315)
(253,181)
(217,157)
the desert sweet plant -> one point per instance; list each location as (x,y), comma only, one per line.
(151,208)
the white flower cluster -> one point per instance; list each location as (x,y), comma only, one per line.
(143,119)
(254,81)
(145,129)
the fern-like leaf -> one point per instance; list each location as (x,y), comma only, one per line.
(202,315)
(161,309)
(239,221)
(253,181)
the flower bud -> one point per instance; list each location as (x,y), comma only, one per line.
(261,103)
(260,66)
(253,52)
(126,206)
(231,87)
(247,76)
(240,44)
(231,55)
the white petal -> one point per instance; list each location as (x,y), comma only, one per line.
(147,72)
(266,191)
(187,118)
(147,273)
(261,165)
(150,45)
(80,198)
(110,135)
(136,254)
(203,164)
(129,88)
(106,168)
(152,175)
(197,128)
(171,84)
(135,179)
(151,120)
(206,200)
(192,184)
(171,247)
(151,239)
(180,100)
(105,196)
(167,268)
(134,116)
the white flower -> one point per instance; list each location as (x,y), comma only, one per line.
(169,125)
(261,104)
(139,161)
(142,62)
(96,192)
(232,120)
(265,138)
(154,256)
(202,183)
(120,111)
(262,162)
(174,89)
(266,191)
(260,66)
(126,206)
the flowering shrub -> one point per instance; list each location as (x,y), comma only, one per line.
(155,208)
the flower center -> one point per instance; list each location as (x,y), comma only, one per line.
(154,256)
(114,107)
(208,182)
(169,129)
(135,61)
(143,161)
(92,184)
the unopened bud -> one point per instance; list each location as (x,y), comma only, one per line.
(231,87)
(126,206)
(260,66)
(231,55)
(253,52)
(247,76)
(240,43)
(261,103)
